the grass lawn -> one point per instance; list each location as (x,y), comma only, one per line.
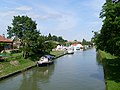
(112,70)
(7,68)
(103,55)
(112,85)
(57,53)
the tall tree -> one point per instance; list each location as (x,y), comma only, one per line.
(49,36)
(24,28)
(84,42)
(20,26)
(109,37)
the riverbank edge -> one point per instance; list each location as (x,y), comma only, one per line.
(26,68)
(102,55)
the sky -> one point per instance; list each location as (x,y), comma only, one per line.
(71,19)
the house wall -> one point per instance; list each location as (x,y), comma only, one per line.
(5,46)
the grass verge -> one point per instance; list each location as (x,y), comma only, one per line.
(111,66)
(15,63)
(57,53)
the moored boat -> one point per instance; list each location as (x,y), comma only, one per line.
(70,50)
(45,60)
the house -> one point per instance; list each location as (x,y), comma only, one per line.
(16,43)
(5,43)
(77,46)
(59,47)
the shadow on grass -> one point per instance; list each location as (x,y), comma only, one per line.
(36,57)
(19,56)
(112,69)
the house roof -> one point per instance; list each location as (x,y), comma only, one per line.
(3,39)
(74,44)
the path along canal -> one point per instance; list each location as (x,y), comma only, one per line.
(79,71)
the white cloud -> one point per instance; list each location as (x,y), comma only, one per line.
(94,4)
(67,22)
(46,16)
(24,8)
(8,13)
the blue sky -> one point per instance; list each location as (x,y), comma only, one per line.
(71,19)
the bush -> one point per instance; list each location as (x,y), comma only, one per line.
(15,51)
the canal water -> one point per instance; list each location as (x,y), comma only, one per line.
(79,71)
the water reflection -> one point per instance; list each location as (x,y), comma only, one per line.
(98,75)
(69,56)
(99,61)
(31,79)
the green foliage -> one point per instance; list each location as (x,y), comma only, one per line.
(56,38)
(84,42)
(24,28)
(21,25)
(109,37)
(108,40)
(32,42)
(49,37)
(15,51)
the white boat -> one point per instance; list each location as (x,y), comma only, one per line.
(70,51)
(45,60)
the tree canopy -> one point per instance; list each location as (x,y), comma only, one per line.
(109,37)
(32,42)
(24,28)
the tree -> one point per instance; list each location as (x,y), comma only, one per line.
(49,36)
(20,26)
(54,38)
(109,37)
(24,28)
(32,42)
(84,42)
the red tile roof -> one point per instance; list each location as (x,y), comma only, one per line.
(3,39)
(75,44)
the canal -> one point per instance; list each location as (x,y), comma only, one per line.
(79,71)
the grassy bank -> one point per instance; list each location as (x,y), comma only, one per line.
(57,53)
(15,63)
(105,56)
(112,70)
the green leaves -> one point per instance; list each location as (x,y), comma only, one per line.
(109,37)
(24,28)
(32,42)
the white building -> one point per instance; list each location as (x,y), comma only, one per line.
(77,46)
